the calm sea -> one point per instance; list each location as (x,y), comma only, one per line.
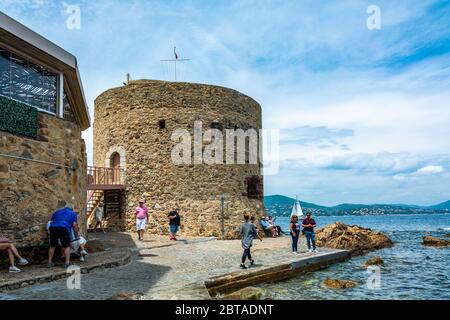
(411,271)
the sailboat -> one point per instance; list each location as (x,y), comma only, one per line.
(297,209)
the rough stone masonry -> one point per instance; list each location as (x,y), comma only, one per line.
(136,122)
(30,192)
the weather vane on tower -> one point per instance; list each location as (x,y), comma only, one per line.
(175,61)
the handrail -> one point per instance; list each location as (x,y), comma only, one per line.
(37,161)
(105,176)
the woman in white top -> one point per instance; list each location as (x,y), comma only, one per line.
(99,217)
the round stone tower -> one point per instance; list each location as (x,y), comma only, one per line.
(138,126)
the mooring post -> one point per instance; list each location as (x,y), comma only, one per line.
(222,206)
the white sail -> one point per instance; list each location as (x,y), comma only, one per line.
(297,209)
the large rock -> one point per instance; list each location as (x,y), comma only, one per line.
(339,284)
(435,242)
(353,238)
(249,293)
(375,261)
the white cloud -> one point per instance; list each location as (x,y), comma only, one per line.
(430,170)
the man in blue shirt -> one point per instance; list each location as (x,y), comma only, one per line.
(61,225)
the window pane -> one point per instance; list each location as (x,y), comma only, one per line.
(4,73)
(28,83)
(33,84)
(49,92)
(68,113)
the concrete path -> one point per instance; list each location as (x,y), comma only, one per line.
(161,269)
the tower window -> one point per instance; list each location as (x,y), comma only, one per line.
(254,188)
(162,124)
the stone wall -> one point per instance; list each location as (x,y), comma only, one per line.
(30,192)
(128,119)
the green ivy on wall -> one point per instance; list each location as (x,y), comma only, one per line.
(18,118)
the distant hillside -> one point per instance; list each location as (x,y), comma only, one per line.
(277,199)
(442,206)
(283,200)
(278,205)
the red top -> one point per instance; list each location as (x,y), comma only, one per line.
(308,221)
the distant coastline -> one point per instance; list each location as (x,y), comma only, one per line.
(278,205)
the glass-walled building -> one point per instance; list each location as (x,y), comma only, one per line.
(27,82)
(42,115)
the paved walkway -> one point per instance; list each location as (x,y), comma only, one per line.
(161,269)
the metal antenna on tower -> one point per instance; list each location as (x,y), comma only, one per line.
(175,61)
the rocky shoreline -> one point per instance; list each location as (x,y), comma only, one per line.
(435,242)
(356,239)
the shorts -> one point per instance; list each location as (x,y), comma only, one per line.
(141,224)
(59,234)
(174,228)
(77,243)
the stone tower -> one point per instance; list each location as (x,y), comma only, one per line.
(133,129)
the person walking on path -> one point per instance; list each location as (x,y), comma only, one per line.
(8,246)
(60,227)
(99,217)
(248,233)
(174,223)
(141,214)
(295,233)
(309,224)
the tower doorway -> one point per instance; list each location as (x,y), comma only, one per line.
(115,165)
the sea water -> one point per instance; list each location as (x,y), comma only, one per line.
(411,270)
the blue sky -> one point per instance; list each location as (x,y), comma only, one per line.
(364,114)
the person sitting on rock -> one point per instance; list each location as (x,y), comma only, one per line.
(308,226)
(267,227)
(77,245)
(8,246)
(272,223)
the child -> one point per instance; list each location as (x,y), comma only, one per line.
(78,249)
(295,232)
(248,233)
(77,246)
